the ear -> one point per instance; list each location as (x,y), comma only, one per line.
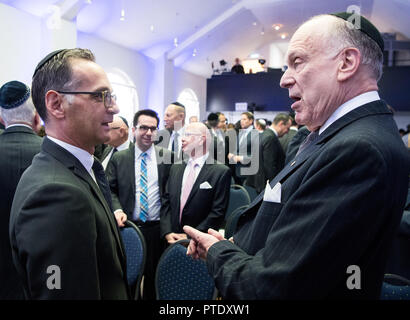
(54,104)
(348,64)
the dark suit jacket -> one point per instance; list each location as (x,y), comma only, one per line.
(121,177)
(295,143)
(18,146)
(335,211)
(163,137)
(248,148)
(271,160)
(205,208)
(60,218)
(286,138)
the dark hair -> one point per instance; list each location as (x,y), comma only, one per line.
(248,114)
(124,120)
(178,104)
(145,112)
(56,74)
(282,117)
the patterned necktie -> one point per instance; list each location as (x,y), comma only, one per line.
(143,188)
(310,139)
(102,181)
(186,189)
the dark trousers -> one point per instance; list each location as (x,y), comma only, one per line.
(155,247)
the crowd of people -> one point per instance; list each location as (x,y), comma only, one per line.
(321,174)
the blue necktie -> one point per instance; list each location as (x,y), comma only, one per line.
(143,188)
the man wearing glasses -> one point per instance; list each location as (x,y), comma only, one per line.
(137,178)
(118,139)
(64,237)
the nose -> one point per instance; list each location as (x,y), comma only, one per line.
(114,109)
(287,79)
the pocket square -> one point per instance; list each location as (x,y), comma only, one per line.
(273,194)
(205,185)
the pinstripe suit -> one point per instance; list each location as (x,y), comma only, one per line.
(335,211)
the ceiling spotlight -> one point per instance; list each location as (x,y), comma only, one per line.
(254,23)
(277,26)
(194,53)
(175,42)
(151,28)
(283,35)
(122,18)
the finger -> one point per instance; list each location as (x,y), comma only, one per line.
(231,239)
(216,234)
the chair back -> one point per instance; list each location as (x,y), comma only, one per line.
(135,251)
(251,192)
(180,277)
(238,197)
(232,221)
(395,287)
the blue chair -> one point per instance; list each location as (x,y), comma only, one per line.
(238,197)
(231,223)
(180,277)
(252,192)
(395,287)
(135,251)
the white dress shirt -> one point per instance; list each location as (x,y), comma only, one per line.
(349,106)
(83,156)
(154,201)
(171,139)
(121,147)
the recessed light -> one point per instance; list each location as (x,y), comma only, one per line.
(254,23)
(277,26)
(122,18)
(284,35)
(194,53)
(151,28)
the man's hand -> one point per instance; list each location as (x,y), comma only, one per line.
(201,242)
(174,237)
(121,217)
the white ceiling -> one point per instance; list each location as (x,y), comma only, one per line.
(216,29)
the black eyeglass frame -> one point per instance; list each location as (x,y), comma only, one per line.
(104,94)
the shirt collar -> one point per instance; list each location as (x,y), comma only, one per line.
(83,156)
(123,146)
(349,106)
(138,152)
(19,125)
(199,161)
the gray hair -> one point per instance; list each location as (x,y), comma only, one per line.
(344,34)
(23,113)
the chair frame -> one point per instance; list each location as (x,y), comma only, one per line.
(237,186)
(137,293)
(232,217)
(185,243)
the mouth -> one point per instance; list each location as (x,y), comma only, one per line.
(297,99)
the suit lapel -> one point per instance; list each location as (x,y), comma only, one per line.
(128,172)
(376,107)
(201,177)
(74,165)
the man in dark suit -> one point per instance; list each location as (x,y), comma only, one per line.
(246,157)
(64,237)
(125,178)
(325,225)
(271,155)
(18,144)
(287,137)
(171,137)
(118,139)
(197,191)
(295,143)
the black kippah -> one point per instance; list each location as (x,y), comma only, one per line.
(365,26)
(46,59)
(213,117)
(124,120)
(13,94)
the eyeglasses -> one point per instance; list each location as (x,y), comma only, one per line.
(108,98)
(145,129)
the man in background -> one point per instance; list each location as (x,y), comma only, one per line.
(118,139)
(171,137)
(19,143)
(137,177)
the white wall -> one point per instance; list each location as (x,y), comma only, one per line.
(137,66)
(183,80)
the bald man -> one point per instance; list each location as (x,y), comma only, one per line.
(174,121)
(118,139)
(197,191)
